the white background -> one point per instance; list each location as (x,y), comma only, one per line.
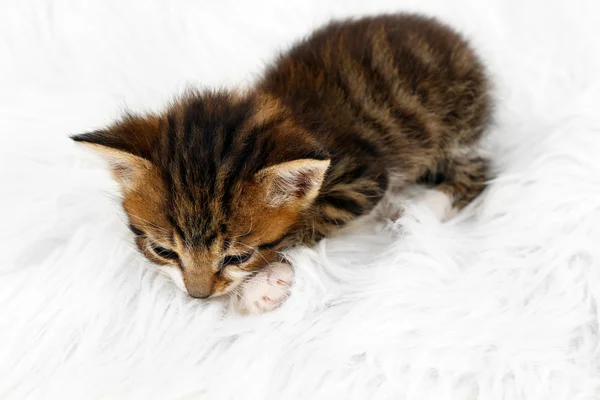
(500,303)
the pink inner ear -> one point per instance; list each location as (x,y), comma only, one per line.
(302,183)
(294,180)
(124,170)
(125,167)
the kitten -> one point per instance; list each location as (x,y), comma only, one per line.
(222,181)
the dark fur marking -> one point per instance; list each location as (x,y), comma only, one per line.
(342,202)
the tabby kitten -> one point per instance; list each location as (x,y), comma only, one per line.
(222,181)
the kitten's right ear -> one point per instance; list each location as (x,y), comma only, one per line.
(126,147)
(295,181)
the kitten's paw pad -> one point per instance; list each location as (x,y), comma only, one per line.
(440,204)
(267,290)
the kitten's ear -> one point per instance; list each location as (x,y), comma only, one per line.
(126,147)
(298,180)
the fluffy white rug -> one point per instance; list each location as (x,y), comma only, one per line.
(501,303)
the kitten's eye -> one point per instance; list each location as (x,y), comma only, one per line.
(164,253)
(235,260)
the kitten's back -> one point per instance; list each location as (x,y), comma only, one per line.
(383,88)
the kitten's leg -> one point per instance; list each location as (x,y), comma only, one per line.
(266,290)
(464,179)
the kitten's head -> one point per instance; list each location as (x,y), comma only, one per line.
(214,186)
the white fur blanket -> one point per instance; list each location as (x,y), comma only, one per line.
(500,303)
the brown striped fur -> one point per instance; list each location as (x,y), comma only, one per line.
(358,108)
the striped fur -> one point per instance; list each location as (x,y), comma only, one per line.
(358,108)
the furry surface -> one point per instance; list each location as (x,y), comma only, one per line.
(499,303)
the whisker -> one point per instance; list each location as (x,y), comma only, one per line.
(236,292)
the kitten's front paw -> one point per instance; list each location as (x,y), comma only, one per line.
(267,290)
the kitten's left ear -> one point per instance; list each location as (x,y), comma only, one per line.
(298,180)
(126,147)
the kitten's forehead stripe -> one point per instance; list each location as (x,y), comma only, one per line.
(209,239)
(241,160)
(209,153)
(177,228)
(232,126)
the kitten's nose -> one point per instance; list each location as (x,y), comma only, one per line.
(199,282)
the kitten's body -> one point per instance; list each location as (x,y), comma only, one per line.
(359,108)
(393,101)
